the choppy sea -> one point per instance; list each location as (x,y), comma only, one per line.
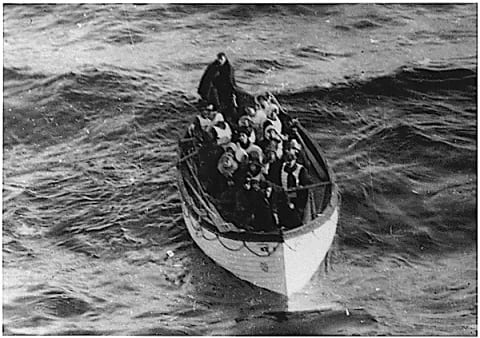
(95,96)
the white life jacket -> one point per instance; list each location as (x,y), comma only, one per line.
(259,119)
(252,136)
(241,155)
(277,124)
(204,123)
(284,178)
(270,108)
(224,136)
(280,150)
(217,118)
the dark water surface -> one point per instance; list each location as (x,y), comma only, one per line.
(96,95)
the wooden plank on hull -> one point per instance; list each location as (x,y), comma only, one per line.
(266,272)
(304,254)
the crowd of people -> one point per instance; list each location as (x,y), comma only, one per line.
(251,160)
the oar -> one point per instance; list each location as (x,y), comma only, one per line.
(309,186)
(179,161)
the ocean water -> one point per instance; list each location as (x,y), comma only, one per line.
(95,97)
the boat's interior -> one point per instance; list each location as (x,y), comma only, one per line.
(204,207)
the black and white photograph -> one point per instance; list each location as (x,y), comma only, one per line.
(240,169)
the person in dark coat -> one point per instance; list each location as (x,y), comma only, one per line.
(261,206)
(293,175)
(217,86)
(272,164)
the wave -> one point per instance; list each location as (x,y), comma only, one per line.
(261,10)
(406,82)
(403,148)
(263,66)
(14,73)
(57,108)
(110,176)
(316,53)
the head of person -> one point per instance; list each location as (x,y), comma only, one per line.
(254,167)
(255,155)
(209,111)
(255,184)
(273,113)
(250,111)
(270,154)
(221,58)
(294,146)
(262,101)
(245,121)
(228,165)
(205,110)
(205,113)
(266,187)
(290,157)
(221,124)
(243,135)
(231,148)
(270,133)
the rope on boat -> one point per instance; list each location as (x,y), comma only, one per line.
(269,253)
(200,229)
(206,238)
(226,247)
(217,237)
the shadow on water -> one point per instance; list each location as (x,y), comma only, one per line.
(234,307)
(213,285)
(305,323)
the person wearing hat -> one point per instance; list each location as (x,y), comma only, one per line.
(231,148)
(255,153)
(296,147)
(293,175)
(214,116)
(244,145)
(221,133)
(274,120)
(201,124)
(228,168)
(246,122)
(258,117)
(272,139)
(264,102)
(227,165)
(271,162)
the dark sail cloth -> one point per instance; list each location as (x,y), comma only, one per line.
(217,86)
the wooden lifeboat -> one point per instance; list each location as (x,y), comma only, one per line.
(283,261)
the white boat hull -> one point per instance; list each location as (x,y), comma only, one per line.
(282,267)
